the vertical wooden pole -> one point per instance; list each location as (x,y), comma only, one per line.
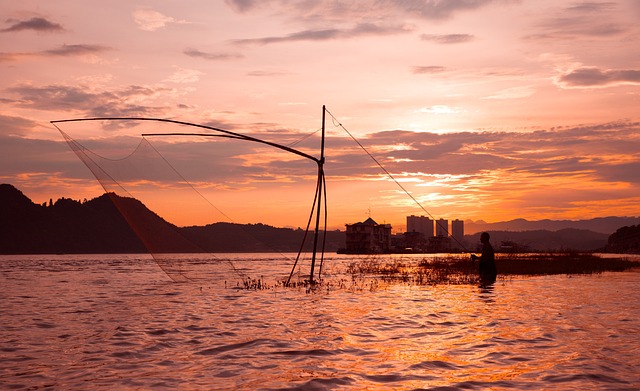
(319,203)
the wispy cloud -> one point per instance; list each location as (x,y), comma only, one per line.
(513,93)
(183,75)
(6,57)
(216,56)
(125,101)
(441,9)
(447,38)
(34,24)
(592,7)
(590,77)
(440,109)
(364,29)
(76,50)
(267,73)
(428,69)
(61,51)
(367,10)
(547,153)
(16,126)
(581,20)
(151,20)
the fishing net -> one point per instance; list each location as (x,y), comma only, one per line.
(189,189)
(186,192)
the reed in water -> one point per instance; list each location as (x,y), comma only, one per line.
(458,269)
(376,271)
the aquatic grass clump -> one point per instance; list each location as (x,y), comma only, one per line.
(560,263)
(251,284)
(450,270)
(376,272)
(376,266)
(459,269)
(428,271)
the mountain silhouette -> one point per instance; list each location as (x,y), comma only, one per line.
(98,226)
(605,225)
(66,226)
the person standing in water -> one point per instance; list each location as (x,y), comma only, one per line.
(487,264)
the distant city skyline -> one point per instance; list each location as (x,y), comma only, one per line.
(435,227)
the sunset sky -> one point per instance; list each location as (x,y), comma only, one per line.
(481,109)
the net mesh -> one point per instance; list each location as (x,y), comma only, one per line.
(150,189)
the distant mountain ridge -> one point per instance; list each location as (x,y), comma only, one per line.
(605,225)
(566,239)
(96,226)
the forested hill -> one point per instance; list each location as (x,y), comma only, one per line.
(625,240)
(66,226)
(96,226)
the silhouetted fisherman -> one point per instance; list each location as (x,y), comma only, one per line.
(487,265)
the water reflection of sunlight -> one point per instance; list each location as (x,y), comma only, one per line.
(122,312)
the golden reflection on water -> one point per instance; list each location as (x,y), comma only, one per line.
(119,323)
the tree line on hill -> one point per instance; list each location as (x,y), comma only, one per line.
(96,226)
(625,240)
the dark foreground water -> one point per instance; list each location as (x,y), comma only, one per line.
(118,322)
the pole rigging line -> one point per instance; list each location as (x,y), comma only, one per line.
(337,123)
(226,133)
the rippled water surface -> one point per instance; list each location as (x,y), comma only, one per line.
(118,322)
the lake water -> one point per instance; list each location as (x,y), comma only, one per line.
(118,322)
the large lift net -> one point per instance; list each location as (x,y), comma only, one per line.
(176,192)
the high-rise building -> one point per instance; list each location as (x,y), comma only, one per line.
(442,227)
(421,224)
(457,230)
